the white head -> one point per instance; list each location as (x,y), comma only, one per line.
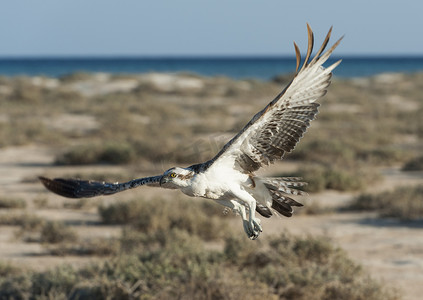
(176,178)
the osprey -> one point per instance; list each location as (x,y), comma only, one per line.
(229,177)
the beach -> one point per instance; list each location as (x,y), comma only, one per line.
(116,127)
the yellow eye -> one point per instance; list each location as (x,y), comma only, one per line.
(173,175)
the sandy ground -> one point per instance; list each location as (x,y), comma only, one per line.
(390,250)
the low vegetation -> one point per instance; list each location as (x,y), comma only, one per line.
(363,123)
(414,164)
(199,218)
(24,220)
(99,247)
(175,248)
(111,153)
(284,267)
(37,230)
(164,253)
(403,203)
(9,202)
(320,177)
(54,232)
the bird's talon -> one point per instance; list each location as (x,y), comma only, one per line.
(257,225)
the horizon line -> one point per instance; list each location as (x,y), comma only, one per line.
(197,56)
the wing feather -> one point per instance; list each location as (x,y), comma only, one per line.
(310,46)
(74,188)
(324,44)
(298,56)
(276,130)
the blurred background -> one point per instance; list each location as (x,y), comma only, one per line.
(112,91)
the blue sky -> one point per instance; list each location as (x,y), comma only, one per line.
(196,27)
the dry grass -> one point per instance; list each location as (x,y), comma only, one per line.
(23,220)
(8,202)
(38,230)
(181,267)
(359,121)
(414,164)
(164,253)
(54,232)
(164,250)
(322,176)
(108,247)
(200,218)
(111,153)
(404,203)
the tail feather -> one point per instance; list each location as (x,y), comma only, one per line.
(264,210)
(283,204)
(279,188)
(286,185)
(282,208)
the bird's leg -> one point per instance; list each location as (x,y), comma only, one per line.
(257,225)
(240,209)
(253,222)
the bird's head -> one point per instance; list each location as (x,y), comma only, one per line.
(176,178)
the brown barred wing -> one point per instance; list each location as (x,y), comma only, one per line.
(276,130)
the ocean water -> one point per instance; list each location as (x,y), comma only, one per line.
(263,68)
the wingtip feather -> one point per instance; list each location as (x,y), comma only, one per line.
(57,187)
(333,66)
(298,56)
(310,45)
(323,46)
(45,181)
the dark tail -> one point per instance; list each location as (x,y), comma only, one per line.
(279,188)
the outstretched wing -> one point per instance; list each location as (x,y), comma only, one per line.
(73,188)
(277,129)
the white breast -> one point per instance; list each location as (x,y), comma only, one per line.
(216,183)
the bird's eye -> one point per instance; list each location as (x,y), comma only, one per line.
(173,175)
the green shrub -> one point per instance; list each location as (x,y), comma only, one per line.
(183,267)
(40,202)
(324,151)
(25,91)
(55,283)
(198,217)
(117,153)
(80,155)
(310,268)
(123,176)
(15,286)
(315,208)
(8,202)
(75,77)
(382,156)
(404,203)
(321,177)
(79,204)
(55,232)
(415,164)
(112,153)
(24,220)
(93,246)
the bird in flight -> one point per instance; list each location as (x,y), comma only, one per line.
(229,177)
